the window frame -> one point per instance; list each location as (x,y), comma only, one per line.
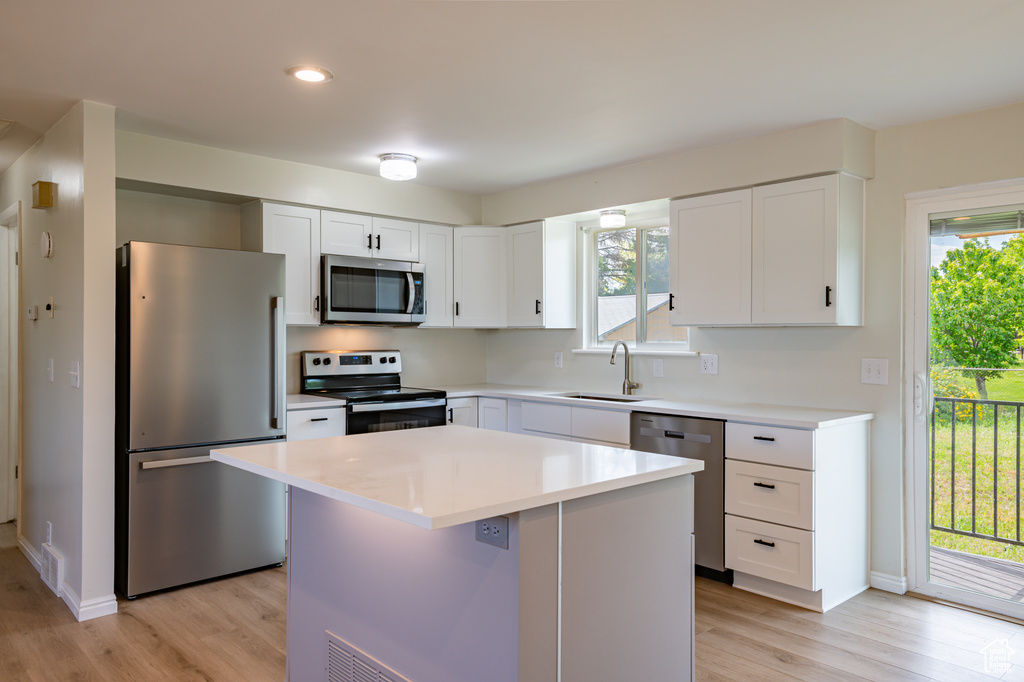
(591,287)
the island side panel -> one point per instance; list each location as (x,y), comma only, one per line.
(627,584)
(538,594)
(432,605)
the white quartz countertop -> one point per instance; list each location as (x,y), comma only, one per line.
(448,475)
(752,413)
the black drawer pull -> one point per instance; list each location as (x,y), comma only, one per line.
(770,486)
(451,415)
(765,438)
(318,419)
(764,542)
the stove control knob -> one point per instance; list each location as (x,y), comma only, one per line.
(391,359)
(327,361)
(382,360)
(316,361)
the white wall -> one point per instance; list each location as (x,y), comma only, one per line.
(67,448)
(148,217)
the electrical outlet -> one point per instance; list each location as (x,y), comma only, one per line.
(493,531)
(658,367)
(874,371)
(709,363)
(558,359)
(49,370)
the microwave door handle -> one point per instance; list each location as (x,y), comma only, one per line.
(411,281)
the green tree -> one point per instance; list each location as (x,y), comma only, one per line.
(616,263)
(977,308)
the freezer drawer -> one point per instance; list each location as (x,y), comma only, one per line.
(188,518)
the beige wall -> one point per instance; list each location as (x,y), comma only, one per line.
(67,457)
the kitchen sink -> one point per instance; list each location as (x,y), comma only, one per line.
(601,396)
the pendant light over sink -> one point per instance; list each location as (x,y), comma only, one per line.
(398,166)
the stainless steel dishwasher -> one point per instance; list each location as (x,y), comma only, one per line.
(702,439)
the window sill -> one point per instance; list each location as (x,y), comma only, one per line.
(638,351)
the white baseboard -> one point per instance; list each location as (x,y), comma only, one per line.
(90,608)
(889,583)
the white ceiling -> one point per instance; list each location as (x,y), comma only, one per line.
(497,94)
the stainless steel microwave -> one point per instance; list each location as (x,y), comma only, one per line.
(370,291)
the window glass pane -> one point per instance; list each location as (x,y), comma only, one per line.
(656,279)
(616,286)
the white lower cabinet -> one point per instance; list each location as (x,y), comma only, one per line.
(581,424)
(462,411)
(320,422)
(796,511)
(492,413)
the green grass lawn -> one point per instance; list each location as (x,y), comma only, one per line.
(1009,386)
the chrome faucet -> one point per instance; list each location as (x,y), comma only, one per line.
(627,385)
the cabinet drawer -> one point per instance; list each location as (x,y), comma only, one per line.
(318,423)
(610,426)
(547,417)
(770,445)
(769,493)
(770,551)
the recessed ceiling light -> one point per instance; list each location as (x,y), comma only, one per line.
(310,74)
(397,166)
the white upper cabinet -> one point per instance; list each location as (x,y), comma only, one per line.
(351,234)
(808,243)
(481,270)
(438,256)
(710,259)
(790,253)
(295,232)
(542,274)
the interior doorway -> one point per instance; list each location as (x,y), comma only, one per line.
(10,221)
(962,413)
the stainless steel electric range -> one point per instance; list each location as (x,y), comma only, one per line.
(370,383)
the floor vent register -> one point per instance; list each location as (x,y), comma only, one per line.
(346,663)
(51,568)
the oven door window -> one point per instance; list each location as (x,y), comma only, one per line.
(366,290)
(394,420)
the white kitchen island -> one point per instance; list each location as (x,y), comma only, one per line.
(384,570)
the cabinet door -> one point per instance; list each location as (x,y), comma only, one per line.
(295,232)
(396,239)
(795,252)
(345,234)
(437,255)
(480,277)
(526,275)
(462,411)
(710,272)
(493,414)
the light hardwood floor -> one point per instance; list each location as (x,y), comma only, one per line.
(233,629)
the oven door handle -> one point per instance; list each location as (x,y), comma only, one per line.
(404,405)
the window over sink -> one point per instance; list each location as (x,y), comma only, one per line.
(628,290)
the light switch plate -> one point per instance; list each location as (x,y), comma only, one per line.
(658,368)
(874,371)
(558,359)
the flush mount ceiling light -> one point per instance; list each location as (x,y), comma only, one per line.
(613,218)
(310,74)
(398,166)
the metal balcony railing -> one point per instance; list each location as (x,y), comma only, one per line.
(976,468)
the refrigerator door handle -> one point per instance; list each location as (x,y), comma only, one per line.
(181,461)
(278,365)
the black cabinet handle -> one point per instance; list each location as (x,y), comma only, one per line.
(671,301)
(828,296)
(378,242)
(451,416)
(764,542)
(318,419)
(765,438)
(536,307)
(369,241)
(316,304)
(456,309)
(770,486)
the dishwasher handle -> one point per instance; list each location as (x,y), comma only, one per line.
(686,435)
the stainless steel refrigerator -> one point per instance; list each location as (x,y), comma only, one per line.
(200,365)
